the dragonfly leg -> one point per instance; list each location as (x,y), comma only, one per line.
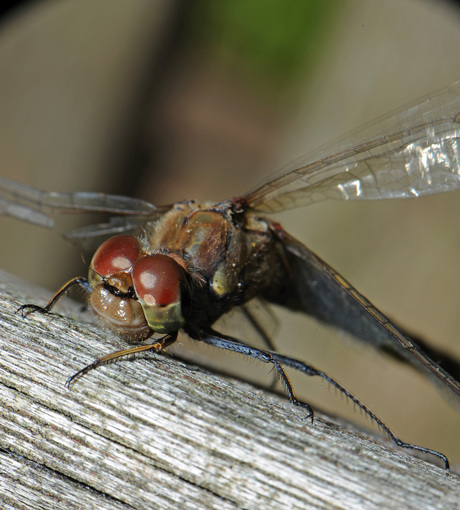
(232,344)
(30,308)
(157,346)
(258,328)
(311,371)
(263,336)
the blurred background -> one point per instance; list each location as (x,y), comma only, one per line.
(168,100)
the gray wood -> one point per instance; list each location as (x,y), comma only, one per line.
(156,432)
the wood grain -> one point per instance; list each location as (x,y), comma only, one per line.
(156,432)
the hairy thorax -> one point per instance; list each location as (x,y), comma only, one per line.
(231,259)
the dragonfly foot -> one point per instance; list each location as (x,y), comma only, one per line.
(25,310)
(303,405)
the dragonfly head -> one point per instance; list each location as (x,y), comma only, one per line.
(135,293)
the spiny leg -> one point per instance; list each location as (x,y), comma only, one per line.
(260,330)
(232,344)
(30,308)
(309,370)
(278,360)
(158,345)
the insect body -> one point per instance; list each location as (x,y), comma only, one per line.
(195,262)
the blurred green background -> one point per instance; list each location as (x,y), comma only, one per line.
(198,99)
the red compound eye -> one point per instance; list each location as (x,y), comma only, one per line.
(117,254)
(157,280)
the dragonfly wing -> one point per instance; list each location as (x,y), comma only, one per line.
(19,201)
(414,151)
(323,293)
(36,206)
(90,237)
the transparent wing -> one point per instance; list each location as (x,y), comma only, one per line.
(414,151)
(318,290)
(38,207)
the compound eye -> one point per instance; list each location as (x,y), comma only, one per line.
(157,280)
(117,254)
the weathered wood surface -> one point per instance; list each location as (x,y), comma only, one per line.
(158,433)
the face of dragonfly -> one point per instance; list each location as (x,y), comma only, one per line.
(134,293)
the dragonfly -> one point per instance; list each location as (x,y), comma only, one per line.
(182,266)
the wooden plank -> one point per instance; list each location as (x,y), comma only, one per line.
(159,433)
